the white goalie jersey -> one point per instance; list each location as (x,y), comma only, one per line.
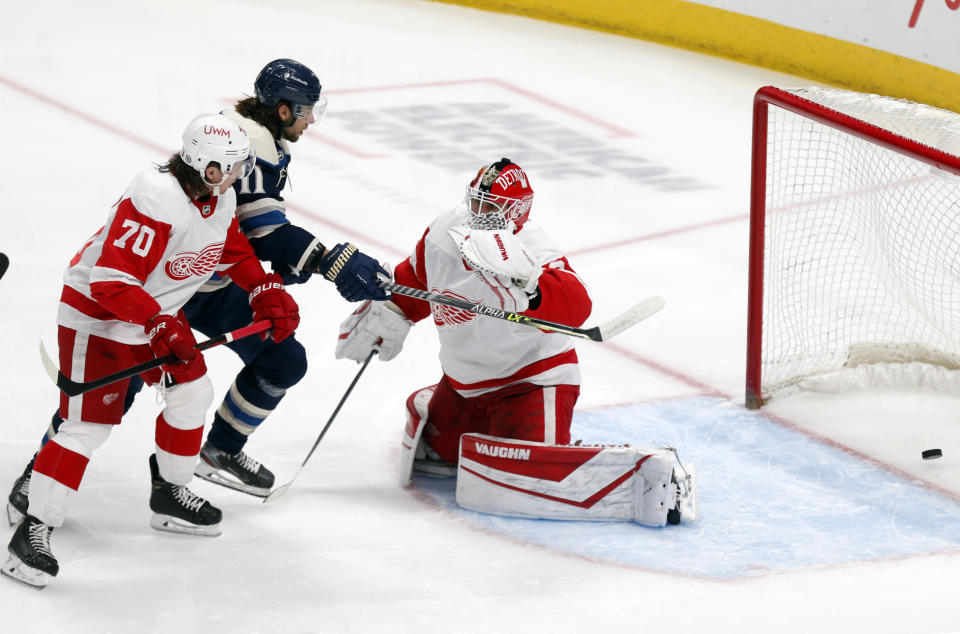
(480,354)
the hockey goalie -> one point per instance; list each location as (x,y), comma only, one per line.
(499,418)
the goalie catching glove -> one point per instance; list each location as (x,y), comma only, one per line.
(376,326)
(501,253)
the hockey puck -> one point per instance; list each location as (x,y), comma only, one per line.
(931,454)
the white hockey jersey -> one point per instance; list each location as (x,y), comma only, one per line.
(157,239)
(482,354)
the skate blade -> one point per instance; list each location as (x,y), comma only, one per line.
(13,515)
(171,524)
(688,500)
(434,468)
(218,476)
(18,571)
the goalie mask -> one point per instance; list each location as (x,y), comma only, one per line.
(500,193)
(213,138)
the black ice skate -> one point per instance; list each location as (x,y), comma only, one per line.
(17,501)
(237,471)
(31,561)
(177,510)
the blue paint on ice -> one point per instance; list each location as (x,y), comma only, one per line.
(770,499)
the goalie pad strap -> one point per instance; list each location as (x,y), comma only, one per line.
(539,480)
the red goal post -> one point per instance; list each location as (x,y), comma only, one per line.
(854,239)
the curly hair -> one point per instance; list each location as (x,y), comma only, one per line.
(190,179)
(264,115)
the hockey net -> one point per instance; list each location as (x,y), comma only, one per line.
(855,244)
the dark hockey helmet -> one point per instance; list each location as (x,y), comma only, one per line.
(289,80)
(498,194)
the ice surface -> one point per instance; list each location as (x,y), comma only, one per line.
(772,499)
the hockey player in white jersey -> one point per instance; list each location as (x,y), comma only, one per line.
(120,305)
(499,418)
(287,101)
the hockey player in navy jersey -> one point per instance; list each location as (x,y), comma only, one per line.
(287,100)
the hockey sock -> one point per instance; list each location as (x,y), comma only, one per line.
(247,403)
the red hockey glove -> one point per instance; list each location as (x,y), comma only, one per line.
(268,300)
(173,335)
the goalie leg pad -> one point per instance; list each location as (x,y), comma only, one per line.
(654,492)
(539,480)
(410,448)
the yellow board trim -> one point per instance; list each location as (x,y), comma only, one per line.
(750,40)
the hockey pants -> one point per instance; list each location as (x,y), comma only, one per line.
(270,369)
(61,463)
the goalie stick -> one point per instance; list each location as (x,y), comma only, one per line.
(280,490)
(603,332)
(75,388)
(4,263)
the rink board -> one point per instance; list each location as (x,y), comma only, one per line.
(771,500)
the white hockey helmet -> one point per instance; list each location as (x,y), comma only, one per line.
(215,138)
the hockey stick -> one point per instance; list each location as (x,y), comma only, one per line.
(4,263)
(280,490)
(74,388)
(603,332)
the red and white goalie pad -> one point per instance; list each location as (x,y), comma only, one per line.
(412,431)
(537,480)
(416,455)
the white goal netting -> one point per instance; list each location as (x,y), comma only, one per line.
(861,261)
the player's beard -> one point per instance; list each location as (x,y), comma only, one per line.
(290,135)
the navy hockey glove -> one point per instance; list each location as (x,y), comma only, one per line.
(354,273)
